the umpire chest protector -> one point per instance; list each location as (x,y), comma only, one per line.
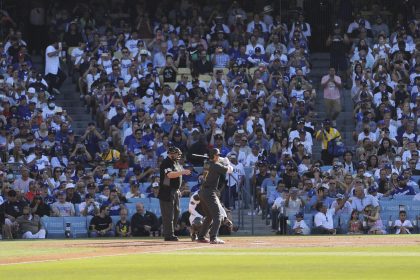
(168,165)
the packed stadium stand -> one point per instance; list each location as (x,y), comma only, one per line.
(313,102)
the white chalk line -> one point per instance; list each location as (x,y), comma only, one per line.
(298,254)
(106,256)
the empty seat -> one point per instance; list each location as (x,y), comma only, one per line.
(183,204)
(54,226)
(78,225)
(192,184)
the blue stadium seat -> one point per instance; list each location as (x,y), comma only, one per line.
(183,204)
(198,169)
(343,223)
(145,201)
(131,208)
(192,184)
(143,187)
(54,226)
(79,228)
(154,206)
(125,187)
(415,178)
(309,220)
(76,209)
(291,219)
(115,220)
(88,219)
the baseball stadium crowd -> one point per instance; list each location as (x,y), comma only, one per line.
(232,75)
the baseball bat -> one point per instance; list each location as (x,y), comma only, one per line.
(203,156)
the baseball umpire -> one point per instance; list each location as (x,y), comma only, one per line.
(170,181)
(209,199)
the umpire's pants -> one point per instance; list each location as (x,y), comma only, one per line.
(211,207)
(170,213)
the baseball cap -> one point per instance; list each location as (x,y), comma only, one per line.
(155,185)
(372,189)
(70,186)
(367,174)
(106,177)
(299,215)
(149,91)
(232,155)
(324,186)
(339,196)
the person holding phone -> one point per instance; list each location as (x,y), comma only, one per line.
(54,75)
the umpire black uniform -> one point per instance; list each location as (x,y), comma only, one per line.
(170,181)
(209,197)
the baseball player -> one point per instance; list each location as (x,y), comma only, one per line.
(209,200)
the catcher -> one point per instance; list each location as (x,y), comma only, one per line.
(197,216)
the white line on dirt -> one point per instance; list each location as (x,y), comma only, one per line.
(107,255)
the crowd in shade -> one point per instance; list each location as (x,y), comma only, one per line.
(196,75)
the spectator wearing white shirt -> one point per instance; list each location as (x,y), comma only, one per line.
(402,225)
(252,45)
(89,207)
(361,200)
(324,218)
(61,208)
(159,60)
(53,73)
(255,24)
(366,133)
(252,157)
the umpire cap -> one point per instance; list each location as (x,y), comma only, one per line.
(213,152)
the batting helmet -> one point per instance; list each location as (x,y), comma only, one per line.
(213,152)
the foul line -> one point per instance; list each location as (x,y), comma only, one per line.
(298,254)
(105,256)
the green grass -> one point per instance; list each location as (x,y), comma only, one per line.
(26,248)
(390,262)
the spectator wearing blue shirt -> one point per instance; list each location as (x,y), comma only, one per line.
(257,58)
(23,108)
(168,123)
(402,188)
(114,204)
(241,58)
(321,196)
(219,143)
(134,145)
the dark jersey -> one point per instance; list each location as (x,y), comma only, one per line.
(213,174)
(168,165)
(14,209)
(101,223)
(123,227)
